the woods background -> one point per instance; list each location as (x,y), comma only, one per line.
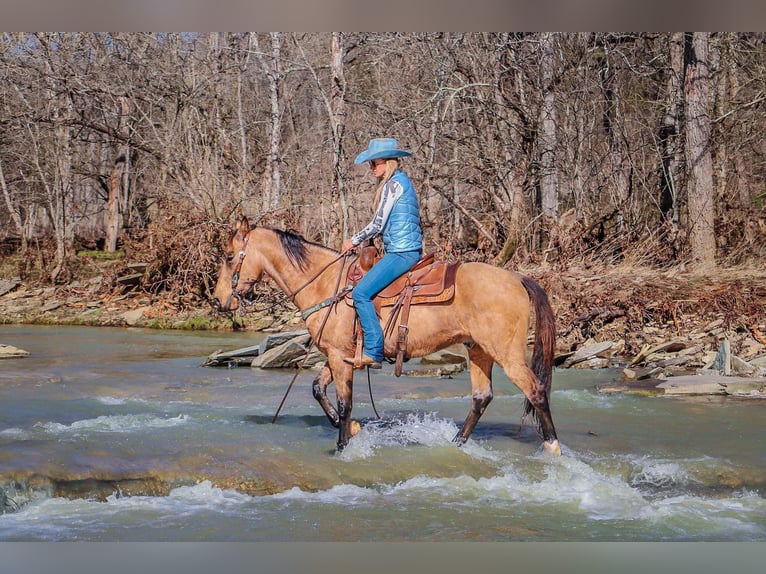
(544,149)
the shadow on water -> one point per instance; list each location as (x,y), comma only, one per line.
(288,420)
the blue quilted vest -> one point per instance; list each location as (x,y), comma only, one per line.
(402,231)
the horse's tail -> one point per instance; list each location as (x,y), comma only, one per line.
(545,339)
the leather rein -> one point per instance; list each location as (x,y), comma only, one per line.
(244,304)
(329,303)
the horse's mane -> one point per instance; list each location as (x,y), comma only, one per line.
(295,247)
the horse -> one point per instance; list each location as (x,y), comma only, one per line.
(489,313)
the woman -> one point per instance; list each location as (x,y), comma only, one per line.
(397,220)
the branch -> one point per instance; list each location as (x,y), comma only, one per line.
(464,211)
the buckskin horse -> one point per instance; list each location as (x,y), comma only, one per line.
(488,311)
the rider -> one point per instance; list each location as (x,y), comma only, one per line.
(397,220)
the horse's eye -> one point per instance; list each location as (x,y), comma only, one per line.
(229,257)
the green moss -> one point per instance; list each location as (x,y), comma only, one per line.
(195,323)
(93,254)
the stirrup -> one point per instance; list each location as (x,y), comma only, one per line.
(364,361)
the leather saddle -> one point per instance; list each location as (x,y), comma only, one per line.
(428,281)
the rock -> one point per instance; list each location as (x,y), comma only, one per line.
(52,306)
(712,326)
(692,385)
(722,361)
(648,351)
(129,282)
(444,370)
(592,363)
(289,354)
(742,367)
(587,352)
(133,316)
(7,285)
(642,374)
(712,384)
(11,352)
(629,374)
(443,363)
(444,357)
(702,383)
(277,339)
(672,362)
(646,387)
(237,358)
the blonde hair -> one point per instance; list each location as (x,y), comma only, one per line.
(392,164)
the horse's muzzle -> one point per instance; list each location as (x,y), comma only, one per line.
(217,306)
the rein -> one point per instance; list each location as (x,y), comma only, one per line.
(243,304)
(338,297)
(317,274)
(329,303)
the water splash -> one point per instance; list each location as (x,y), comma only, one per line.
(423,429)
(113,424)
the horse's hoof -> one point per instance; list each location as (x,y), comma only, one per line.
(553,447)
(459,440)
(354,428)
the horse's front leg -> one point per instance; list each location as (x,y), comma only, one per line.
(319,389)
(344,385)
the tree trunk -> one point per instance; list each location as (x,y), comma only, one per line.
(613,130)
(13,209)
(701,193)
(118,181)
(672,150)
(338,126)
(547,142)
(271,183)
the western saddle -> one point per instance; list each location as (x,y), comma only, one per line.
(428,281)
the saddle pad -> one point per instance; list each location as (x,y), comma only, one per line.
(433,283)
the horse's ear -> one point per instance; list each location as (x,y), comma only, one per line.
(244,226)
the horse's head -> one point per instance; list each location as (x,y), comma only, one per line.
(239,271)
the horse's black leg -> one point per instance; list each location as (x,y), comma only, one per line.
(536,403)
(542,412)
(478,406)
(343,375)
(481,390)
(344,427)
(319,389)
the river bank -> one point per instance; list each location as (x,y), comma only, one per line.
(650,322)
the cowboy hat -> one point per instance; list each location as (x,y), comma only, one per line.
(381,148)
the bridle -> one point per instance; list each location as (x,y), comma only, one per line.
(243,303)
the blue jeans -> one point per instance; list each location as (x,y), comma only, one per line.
(380,276)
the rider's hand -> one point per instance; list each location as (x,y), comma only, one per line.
(347,246)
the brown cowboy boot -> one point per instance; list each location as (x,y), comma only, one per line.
(364,361)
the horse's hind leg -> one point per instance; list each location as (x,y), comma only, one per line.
(319,389)
(525,379)
(481,390)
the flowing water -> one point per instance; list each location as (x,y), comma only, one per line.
(166,450)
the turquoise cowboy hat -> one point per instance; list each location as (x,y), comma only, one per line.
(381,148)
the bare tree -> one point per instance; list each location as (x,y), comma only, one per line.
(700,192)
(670,131)
(547,137)
(338,127)
(272,68)
(506,129)
(119,181)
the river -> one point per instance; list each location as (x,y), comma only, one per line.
(164,449)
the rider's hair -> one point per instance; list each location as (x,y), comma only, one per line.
(392,164)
